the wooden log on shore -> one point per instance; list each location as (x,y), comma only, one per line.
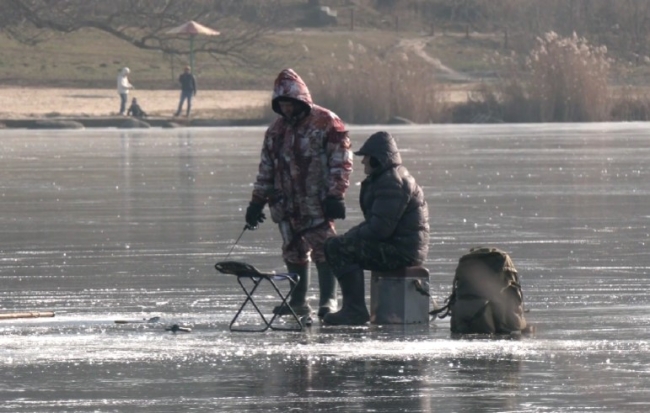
(30,314)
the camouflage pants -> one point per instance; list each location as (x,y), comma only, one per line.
(308,243)
(344,252)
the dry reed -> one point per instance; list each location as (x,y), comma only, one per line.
(369,89)
(562,80)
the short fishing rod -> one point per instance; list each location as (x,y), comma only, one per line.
(238,238)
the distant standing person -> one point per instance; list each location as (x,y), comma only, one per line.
(188,90)
(123,87)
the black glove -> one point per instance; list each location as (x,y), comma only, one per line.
(254,214)
(334,208)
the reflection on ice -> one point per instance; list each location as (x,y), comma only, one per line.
(102,341)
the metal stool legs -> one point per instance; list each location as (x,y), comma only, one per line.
(268,323)
(246,271)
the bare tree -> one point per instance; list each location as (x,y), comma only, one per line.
(144,23)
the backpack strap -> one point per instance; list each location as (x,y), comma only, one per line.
(446,309)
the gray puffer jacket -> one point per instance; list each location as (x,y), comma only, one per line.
(392,203)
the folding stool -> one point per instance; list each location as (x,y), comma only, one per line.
(245,271)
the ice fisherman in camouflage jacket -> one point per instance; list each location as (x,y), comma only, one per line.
(303,176)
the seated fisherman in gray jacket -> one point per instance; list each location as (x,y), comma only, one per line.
(394,233)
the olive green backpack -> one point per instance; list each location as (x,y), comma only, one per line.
(486,296)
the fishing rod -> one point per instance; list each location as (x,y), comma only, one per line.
(174,328)
(239,237)
(31,314)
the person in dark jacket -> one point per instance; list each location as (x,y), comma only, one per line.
(135,110)
(394,233)
(188,90)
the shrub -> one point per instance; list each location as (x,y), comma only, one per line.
(503,101)
(631,105)
(370,90)
(562,80)
(569,78)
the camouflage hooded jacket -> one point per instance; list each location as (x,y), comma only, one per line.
(303,160)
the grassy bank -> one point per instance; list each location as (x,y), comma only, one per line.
(91,59)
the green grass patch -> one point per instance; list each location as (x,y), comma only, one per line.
(92,59)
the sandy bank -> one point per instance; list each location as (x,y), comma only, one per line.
(21,103)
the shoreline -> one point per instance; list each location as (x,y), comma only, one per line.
(122,122)
(77,108)
(32,107)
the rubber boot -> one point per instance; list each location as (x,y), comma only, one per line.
(298,301)
(327,289)
(354,311)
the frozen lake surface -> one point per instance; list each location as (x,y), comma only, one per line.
(102,225)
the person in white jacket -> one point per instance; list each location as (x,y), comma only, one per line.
(123,87)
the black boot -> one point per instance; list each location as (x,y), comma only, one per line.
(354,311)
(298,301)
(327,289)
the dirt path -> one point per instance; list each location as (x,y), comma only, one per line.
(417,46)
